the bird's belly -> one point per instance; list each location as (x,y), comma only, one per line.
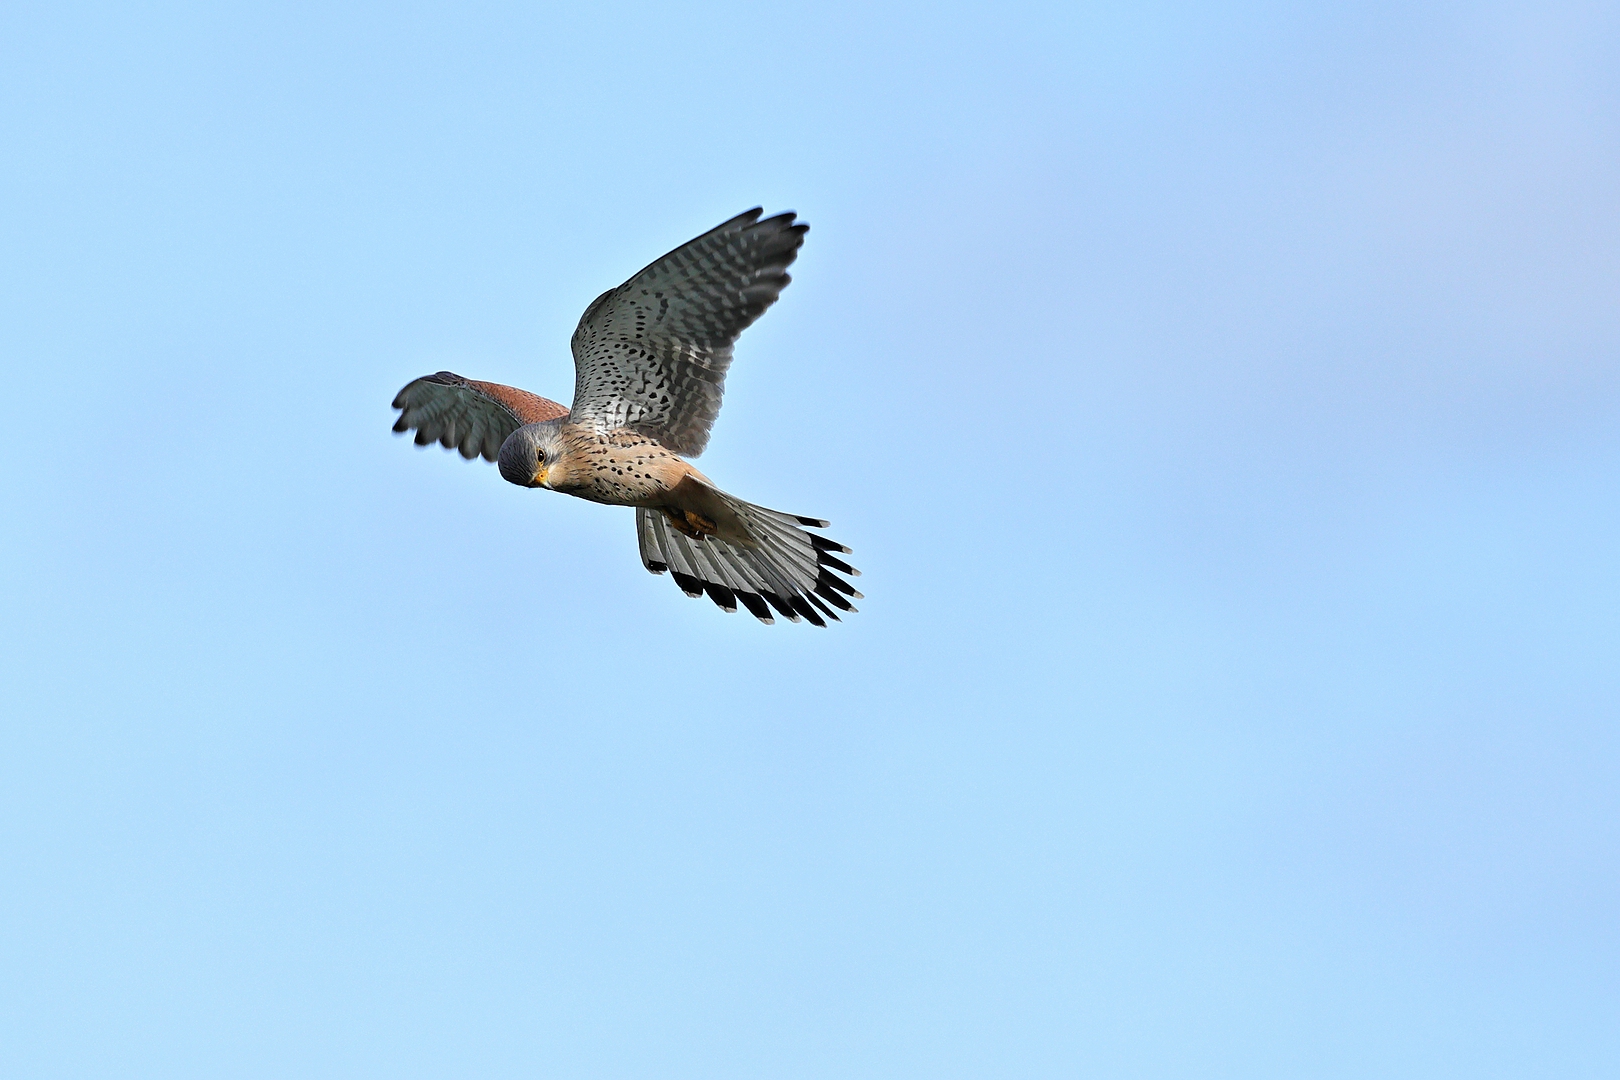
(613,492)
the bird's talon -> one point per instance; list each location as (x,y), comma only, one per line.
(690,524)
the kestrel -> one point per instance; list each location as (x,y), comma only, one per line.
(650,361)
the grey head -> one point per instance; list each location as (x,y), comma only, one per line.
(529,451)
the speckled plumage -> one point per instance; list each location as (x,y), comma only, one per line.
(650,362)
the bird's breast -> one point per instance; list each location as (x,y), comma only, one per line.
(620,468)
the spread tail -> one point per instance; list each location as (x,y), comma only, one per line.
(785,567)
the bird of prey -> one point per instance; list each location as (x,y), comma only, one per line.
(650,361)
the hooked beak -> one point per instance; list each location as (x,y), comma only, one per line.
(539,478)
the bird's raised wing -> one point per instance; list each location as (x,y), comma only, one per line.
(467,415)
(652,354)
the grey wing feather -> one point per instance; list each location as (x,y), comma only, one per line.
(652,355)
(468,415)
(788,568)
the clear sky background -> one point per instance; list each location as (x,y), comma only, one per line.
(1221,401)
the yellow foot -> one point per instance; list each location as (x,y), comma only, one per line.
(692,524)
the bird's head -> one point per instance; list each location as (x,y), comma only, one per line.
(528,453)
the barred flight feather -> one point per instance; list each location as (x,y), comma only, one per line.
(785,569)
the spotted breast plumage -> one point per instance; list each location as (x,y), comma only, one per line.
(650,362)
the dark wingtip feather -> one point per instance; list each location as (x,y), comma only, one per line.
(690,585)
(756,607)
(805,608)
(833,598)
(724,598)
(759,297)
(782,606)
(814,523)
(821,543)
(826,580)
(823,608)
(837,564)
(657,567)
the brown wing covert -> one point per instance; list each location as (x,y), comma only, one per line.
(468,415)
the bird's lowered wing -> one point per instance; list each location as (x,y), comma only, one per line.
(467,415)
(652,354)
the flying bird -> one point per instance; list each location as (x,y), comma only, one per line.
(650,361)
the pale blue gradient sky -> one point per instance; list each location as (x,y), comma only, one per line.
(1221,402)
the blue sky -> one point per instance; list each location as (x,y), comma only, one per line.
(1220,400)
